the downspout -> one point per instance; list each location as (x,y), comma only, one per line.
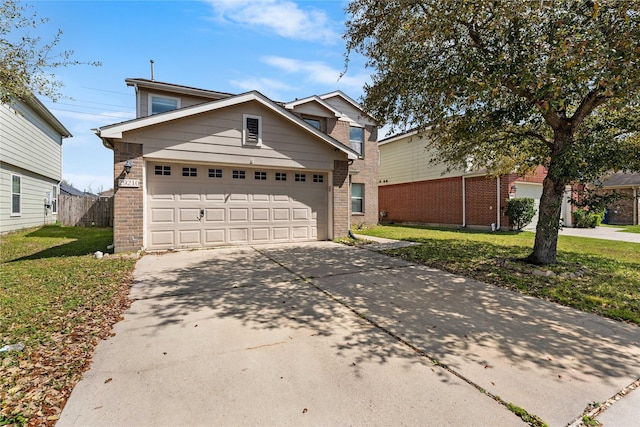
(498,199)
(464,203)
(636,198)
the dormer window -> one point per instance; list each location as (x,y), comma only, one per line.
(313,122)
(252,130)
(161,104)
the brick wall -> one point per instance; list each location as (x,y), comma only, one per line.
(621,212)
(341,198)
(128,206)
(367,168)
(439,201)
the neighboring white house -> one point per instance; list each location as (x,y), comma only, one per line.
(30,164)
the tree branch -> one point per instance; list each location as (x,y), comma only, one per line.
(590,102)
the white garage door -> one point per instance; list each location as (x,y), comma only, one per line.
(201,205)
(533,191)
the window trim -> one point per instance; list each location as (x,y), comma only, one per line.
(361,142)
(19,213)
(54,200)
(360,212)
(150,102)
(245,131)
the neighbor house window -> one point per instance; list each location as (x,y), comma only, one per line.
(300,177)
(54,199)
(357,197)
(162,170)
(281,176)
(238,174)
(356,139)
(260,176)
(189,171)
(162,104)
(16,195)
(252,130)
(318,178)
(313,122)
(215,173)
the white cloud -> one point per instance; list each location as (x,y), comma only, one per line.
(318,72)
(269,87)
(283,17)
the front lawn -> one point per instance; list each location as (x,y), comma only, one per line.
(59,302)
(625,228)
(593,275)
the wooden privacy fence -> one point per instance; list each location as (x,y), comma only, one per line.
(85,211)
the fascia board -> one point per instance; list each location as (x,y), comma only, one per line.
(291,105)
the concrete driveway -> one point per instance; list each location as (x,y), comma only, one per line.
(325,334)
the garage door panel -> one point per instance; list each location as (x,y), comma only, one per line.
(214,237)
(162,215)
(215,215)
(187,215)
(281,233)
(280,214)
(260,214)
(162,238)
(238,214)
(239,235)
(234,211)
(189,237)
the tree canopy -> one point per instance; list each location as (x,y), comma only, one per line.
(509,85)
(26,62)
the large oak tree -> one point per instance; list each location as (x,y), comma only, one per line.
(508,85)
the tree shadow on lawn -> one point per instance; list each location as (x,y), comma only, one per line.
(85,241)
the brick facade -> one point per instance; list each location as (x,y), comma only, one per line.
(622,211)
(341,198)
(128,208)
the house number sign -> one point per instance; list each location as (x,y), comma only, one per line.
(130,183)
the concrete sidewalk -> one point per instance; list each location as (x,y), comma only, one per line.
(607,233)
(321,333)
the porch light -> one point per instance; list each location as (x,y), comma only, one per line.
(127,166)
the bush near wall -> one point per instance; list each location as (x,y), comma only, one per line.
(587,219)
(520,212)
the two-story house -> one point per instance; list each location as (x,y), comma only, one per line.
(200,168)
(414,189)
(30,164)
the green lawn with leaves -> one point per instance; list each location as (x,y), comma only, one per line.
(593,275)
(59,301)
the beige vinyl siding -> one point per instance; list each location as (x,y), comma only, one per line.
(313,109)
(349,110)
(28,142)
(408,160)
(185,100)
(34,190)
(216,137)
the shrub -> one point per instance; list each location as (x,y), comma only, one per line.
(586,219)
(520,212)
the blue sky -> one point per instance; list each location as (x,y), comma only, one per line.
(283,48)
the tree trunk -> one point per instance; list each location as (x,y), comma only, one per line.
(546,243)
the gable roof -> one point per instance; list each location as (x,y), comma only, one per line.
(314,98)
(46,115)
(349,100)
(172,87)
(116,130)
(622,179)
(397,137)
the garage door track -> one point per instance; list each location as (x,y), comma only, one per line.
(322,334)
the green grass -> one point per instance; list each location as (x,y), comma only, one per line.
(607,273)
(57,300)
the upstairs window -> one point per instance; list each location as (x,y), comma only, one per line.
(252,130)
(356,139)
(162,104)
(16,195)
(313,122)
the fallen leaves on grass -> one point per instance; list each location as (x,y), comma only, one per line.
(38,381)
